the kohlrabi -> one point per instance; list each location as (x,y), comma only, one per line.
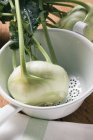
(82,13)
(79,11)
(36,82)
(40,82)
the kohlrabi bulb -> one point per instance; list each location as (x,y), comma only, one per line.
(45,84)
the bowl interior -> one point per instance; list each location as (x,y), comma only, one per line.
(74,53)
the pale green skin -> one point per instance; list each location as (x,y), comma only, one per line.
(46,84)
(78,14)
(74,16)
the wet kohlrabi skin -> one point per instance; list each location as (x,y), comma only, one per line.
(46,84)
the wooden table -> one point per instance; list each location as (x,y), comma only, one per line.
(83,115)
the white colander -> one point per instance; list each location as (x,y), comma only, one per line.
(75,53)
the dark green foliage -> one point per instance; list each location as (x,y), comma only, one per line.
(31,17)
(13,30)
(14,46)
(31,8)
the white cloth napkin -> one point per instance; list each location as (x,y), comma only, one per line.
(22,127)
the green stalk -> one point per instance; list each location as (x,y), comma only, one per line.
(89,15)
(41,49)
(21,39)
(52,53)
(37,43)
(11,4)
(69,1)
(62,4)
(6,14)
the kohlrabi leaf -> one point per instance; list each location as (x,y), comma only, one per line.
(31,8)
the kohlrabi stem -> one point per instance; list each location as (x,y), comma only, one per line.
(21,38)
(62,4)
(41,50)
(69,1)
(37,43)
(11,4)
(51,50)
(89,15)
(6,14)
